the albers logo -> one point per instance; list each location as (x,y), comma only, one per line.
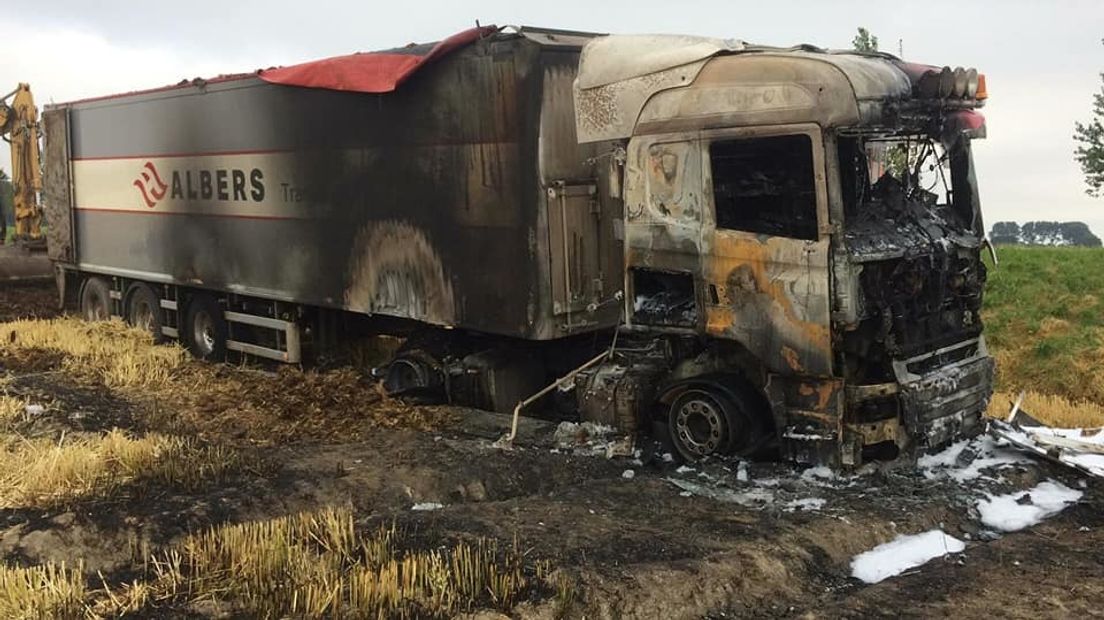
(151,195)
(223,184)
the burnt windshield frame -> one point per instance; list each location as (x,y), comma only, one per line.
(964,198)
(939,175)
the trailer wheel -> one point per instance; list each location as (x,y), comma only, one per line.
(95,300)
(705,422)
(205,329)
(144,310)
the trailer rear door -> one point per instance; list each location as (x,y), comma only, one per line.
(56,187)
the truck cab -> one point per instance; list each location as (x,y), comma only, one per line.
(802,229)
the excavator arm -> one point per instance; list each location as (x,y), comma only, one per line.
(19,127)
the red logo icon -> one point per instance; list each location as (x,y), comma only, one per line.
(151,193)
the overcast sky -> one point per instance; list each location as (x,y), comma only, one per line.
(1042,59)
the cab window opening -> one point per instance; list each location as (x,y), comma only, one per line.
(765,186)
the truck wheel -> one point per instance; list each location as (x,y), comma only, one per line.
(95,301)
(144,310)
(705,423)
(205,329)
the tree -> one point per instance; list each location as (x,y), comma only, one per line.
(864,41)
(1090,150)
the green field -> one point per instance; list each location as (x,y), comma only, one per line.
(1044,321)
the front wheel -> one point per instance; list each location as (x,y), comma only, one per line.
(706,422)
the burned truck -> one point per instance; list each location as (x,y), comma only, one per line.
(742,248)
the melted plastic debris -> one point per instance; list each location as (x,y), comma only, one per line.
(590,439)
(1016,511)
(1091,463)
(905,552)
(1081,449)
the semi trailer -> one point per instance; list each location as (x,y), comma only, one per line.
(743,248)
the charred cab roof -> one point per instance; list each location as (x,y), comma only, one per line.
(645,84)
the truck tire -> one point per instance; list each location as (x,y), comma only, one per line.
(144,310)
(205,331)
(705,422)
(95,300)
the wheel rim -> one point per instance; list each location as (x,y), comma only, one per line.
(203,330)
(699,425)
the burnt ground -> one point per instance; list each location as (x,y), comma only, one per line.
(33,300)
(639,547)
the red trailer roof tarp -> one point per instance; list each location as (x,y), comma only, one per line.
(371,72)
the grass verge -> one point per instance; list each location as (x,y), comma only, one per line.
(1044,321)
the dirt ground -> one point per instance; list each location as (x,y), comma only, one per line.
(661,542)
(19,301)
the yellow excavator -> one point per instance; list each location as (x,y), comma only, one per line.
(25,258)
(19,128)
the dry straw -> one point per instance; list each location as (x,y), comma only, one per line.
(1050,409)
(49,591)
(117,355)
(316,565)
(45,472)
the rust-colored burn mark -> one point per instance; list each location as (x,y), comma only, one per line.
(823,392)
(792,359)
(776,299)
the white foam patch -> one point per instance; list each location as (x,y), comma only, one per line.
(989,455)
(1016,511)
(948,457)
(818,473)
(903,553)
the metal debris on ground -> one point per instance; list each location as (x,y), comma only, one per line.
(1079,448)
(591,439)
